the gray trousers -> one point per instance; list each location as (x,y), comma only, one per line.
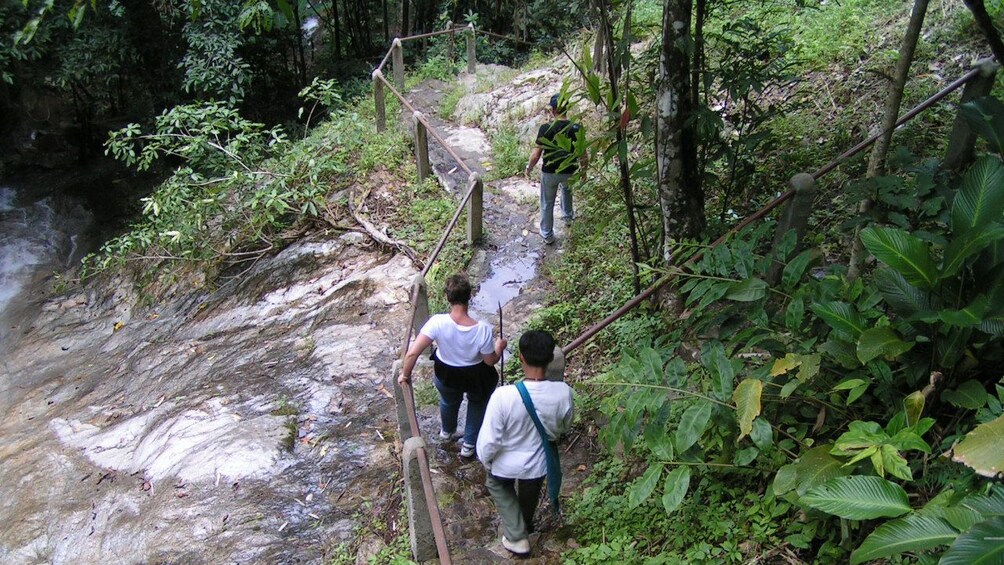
(516,501)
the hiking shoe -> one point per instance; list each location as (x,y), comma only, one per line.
(519,547)
(549,240)
(446,436)
(467,451)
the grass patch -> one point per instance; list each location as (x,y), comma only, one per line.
(508,156)
(450,100)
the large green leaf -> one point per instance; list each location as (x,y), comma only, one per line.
(880,341)
(675,488)
(914,532)
(815,467)
(718,364)
(986,116)
(980,200)
(795,268)
(692,425)
(981,545)
(981,449)
(904,298)
(859,497)
(971,315)
(651,364)
(747,399)
(841,316)
(988,505)
(964,246)
(908,255)
(970,394)
(642,488)
(747,290)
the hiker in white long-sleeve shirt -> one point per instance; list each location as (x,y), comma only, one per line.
(511,446)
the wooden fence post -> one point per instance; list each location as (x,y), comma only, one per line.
(471,56)
(378,101)
(420,291)
(398,56)
(421,148)
(795,216)
(475,212)
(962,143)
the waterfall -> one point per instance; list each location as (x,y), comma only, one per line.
(38,235)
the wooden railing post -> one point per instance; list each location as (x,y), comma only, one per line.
(471,56)
(475,212)
(421,148)
(962,143)
(379,103)
(398,57)
(794,216)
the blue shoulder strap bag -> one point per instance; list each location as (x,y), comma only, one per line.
(550,449)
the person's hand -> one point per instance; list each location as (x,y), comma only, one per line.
(526,172)
(403,379)
(500,345)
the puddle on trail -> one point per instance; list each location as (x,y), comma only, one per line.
(509,275)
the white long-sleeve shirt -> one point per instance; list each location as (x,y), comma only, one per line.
(509,445)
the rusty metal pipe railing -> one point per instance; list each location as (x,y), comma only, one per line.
(666,279)
(507,38)
(428,126)
(433,33)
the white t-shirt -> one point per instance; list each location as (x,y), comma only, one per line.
(459,346)
(509,445)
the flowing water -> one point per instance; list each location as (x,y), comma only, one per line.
(38,235)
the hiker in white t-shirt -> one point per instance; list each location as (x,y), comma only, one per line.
(511,445)
(464,363)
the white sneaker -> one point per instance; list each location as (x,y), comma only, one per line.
(445,436)
(467,451)
(519,547)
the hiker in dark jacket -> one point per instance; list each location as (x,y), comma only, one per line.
(554,143)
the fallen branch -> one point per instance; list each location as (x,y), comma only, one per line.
(377,235)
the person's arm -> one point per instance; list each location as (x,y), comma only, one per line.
(534,157)
(565,422)
(494,356)
(411,357)
(489,438)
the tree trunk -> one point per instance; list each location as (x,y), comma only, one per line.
(983,20)
(876,161)
(386,23)
(337,32)
(680,195)
(404,19)
(617,65)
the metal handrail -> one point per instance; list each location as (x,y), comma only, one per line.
(428,126)
(452,30)
(667,278)
(408,393)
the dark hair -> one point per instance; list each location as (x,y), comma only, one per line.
(559,103)
(537,348)
(458,289)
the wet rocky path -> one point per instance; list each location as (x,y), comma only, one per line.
(508,271)
(251,423)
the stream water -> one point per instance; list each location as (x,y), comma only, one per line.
(38,235)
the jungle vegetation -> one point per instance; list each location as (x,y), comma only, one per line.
(774,403)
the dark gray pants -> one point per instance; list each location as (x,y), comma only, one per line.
(516,501)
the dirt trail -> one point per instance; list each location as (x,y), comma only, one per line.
(508,269)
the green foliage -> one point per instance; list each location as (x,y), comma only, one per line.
(724,521)
(851,21)
(508,157)
(241,183)
(214,70)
